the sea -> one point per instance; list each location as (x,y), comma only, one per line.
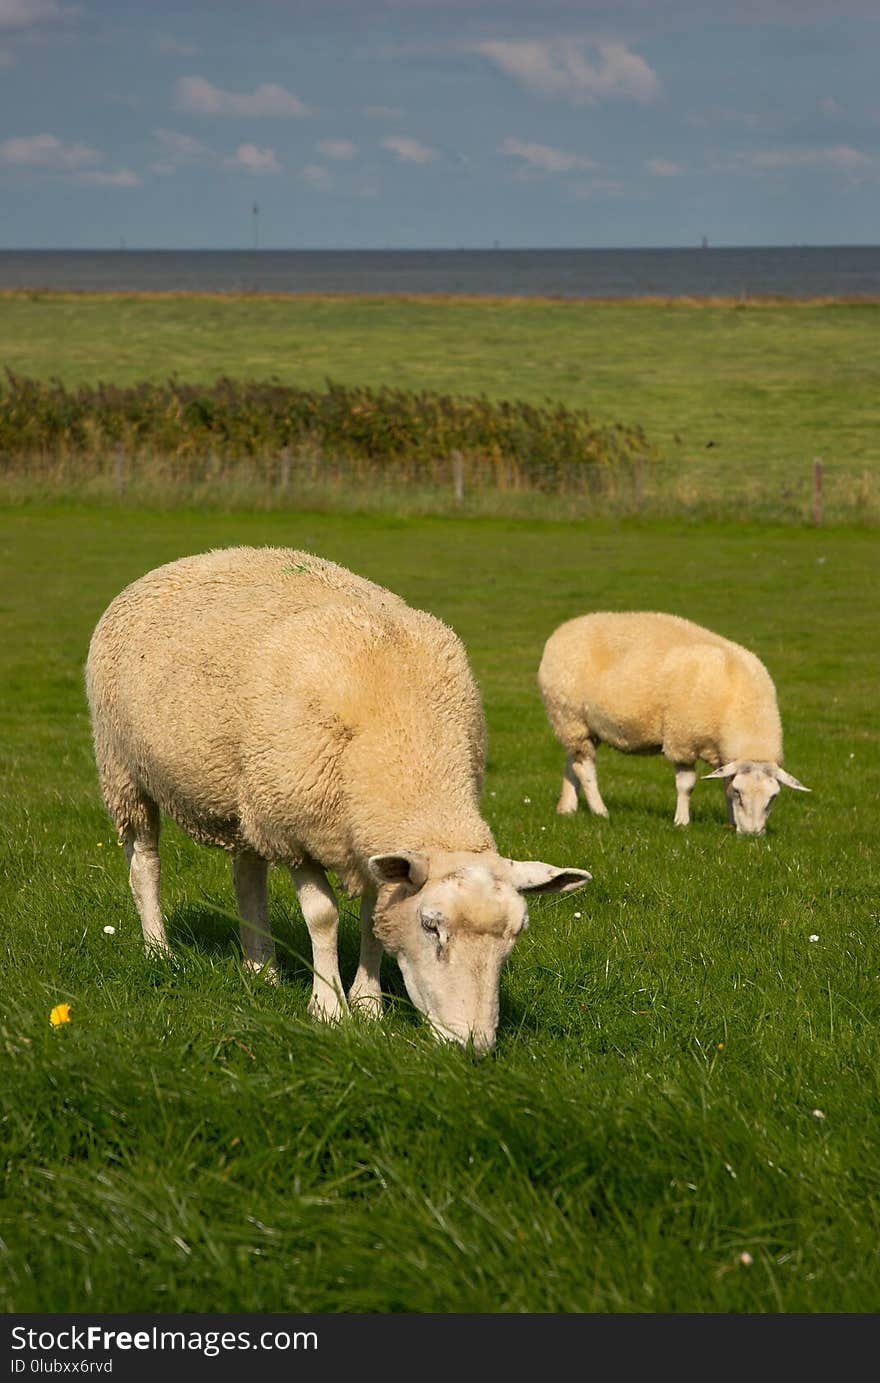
(795,271)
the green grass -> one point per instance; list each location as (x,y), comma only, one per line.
(683,1076)
(739,398)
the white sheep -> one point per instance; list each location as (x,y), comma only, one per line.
(654,683)
(281,707)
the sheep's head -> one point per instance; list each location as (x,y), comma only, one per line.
(451,920)
(751,789)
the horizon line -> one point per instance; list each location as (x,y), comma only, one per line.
(495,248)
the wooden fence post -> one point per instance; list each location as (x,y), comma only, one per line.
(119,469)
(817,490)
(458,476)
(284,480)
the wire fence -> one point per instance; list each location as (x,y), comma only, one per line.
(457,483)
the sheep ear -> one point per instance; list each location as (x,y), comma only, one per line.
(789,780)
(725,771)
(403,867)
(531,876)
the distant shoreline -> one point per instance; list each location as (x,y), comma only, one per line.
(758,300)
(452,299)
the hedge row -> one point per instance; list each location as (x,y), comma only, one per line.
(389,431)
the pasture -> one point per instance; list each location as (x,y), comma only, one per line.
(682,1114)
(736,398)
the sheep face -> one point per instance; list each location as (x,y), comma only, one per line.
(750,795)
(751,791)
(451,921)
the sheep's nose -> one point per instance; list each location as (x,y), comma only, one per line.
(481,1043)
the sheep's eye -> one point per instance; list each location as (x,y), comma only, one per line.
(431,925)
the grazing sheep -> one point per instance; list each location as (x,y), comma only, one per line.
(280,707)
(653,683)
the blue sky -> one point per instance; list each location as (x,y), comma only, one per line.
(438,123)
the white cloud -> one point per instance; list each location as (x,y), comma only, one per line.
(545,157)
(251,159)
(182,150)
(47,151)
(339,149)
(408,150)
(170,47)
(837,158)
(318,176)
(77,162)
(558,68)
(22,14)
(177,150)
(201,97)
(663,168)
(96,178)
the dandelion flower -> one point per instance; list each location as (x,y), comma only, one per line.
(59,1014)
(100,845)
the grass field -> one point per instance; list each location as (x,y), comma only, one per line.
(682,1114)
(738,398)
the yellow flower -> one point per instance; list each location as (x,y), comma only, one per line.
(60,1014)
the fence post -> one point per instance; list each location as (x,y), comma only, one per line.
(119,469)
(458,476)
(284,480)
(638,474)
(817,491)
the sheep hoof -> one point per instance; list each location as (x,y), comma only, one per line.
(326,1009)
(365,1004)
(158,950)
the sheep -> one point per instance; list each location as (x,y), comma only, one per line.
(279,706)
(645,682)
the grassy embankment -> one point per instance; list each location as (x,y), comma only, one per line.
(738,398)
(683,1112)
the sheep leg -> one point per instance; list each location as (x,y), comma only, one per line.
(584,770)
(250,876)
(365,994)
(318,903)
(685,777)
(141,847)
(568,797)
